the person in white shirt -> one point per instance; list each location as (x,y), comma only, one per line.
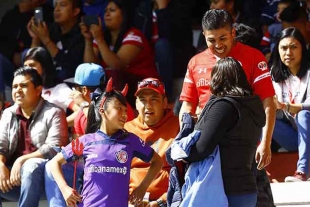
(291,80)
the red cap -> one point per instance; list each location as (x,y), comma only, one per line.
(152,84)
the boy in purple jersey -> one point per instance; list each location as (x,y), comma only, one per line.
(108,151)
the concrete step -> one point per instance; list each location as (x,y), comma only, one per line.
(291,194)
(43,203)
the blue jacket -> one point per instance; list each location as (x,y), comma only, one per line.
(203,180)
(177,172)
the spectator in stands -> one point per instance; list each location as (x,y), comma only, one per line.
(59,94)
(219,36)
(63,40)
(273,32)
(14,37)
(158,127)
(296,16)
(89,80)
(88,77)
(123,51)
(161,21)
(28,132)
(291,79)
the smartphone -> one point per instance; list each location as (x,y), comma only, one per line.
(90,19)
(38,15)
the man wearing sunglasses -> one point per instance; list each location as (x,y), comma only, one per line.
(157,126)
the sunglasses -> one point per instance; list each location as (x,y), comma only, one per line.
(145,83)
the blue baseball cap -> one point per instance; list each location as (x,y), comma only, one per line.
(87,74)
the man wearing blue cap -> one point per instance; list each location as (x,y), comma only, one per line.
(88,77)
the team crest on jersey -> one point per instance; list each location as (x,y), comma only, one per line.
(121,156)
(142,142)
(262,66)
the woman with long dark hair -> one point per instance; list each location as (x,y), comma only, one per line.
(232,119)
(40,59)
(291,80)
(123,51)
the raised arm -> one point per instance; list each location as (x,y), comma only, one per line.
(117,61)
(90,54)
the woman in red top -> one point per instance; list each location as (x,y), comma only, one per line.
(124,51)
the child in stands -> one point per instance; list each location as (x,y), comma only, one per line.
(108,151)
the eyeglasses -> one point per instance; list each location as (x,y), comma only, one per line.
(144,83)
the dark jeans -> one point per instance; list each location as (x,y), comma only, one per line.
(246,200)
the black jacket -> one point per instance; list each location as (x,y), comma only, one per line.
(235,124)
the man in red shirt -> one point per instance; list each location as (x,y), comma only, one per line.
(219,35)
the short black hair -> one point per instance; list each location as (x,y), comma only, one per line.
(35,78)
(216,19)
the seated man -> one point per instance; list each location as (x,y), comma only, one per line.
(28,132)
(158,127)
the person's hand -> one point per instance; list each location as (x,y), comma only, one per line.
(29,28)
(152,204)
(41,31)
(85,31)
(77,97)
(96,31)
(263,156)
(71,196)
(15,177)
(5,183)
(136,197)
(278,104)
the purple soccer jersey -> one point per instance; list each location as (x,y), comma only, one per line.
(107,166)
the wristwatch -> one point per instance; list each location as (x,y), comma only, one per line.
(84,104)
(161,203)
